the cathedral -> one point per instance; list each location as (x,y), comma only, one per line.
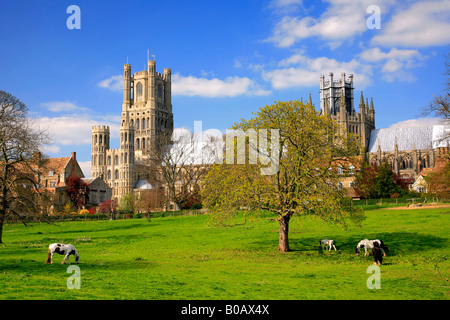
(408,149)
(146,111)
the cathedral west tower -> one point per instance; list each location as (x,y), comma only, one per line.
(146,111)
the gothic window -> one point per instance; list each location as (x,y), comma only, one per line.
(109,160)
(100,139)
(391,161)
(125,157)
(426,161)
(139,91)
(109,174)
(143,123)
(407,162)
(373,161)
(137,144)
(138,124)
(116,160)
(143,143)
(116,175)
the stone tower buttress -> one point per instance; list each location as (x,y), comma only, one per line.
(126,87)
(127,162)
(100,145)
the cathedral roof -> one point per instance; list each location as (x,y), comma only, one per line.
(408,138)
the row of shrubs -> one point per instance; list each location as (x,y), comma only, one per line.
(83,215)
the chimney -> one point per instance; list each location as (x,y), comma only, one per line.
(74,163)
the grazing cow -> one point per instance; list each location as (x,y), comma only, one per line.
(327,243)
(376,252)
(63,249)
(368,245)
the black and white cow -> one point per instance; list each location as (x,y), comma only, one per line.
(368,245)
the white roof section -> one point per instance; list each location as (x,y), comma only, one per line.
(143,184)
(409,138)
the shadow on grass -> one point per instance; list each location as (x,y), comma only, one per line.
(397,243)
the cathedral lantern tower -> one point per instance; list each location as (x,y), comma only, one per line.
(336,101)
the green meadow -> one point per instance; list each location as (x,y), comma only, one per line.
(186,257)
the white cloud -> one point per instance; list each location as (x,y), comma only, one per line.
(203,87)
(395,63)
(418,123)
(63,106)
(423,24)
(86,168)
(342,20)
(71,130)
(113,83)
(301,71)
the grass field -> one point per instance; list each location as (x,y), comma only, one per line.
(184,258)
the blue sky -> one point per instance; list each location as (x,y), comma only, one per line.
(228,58)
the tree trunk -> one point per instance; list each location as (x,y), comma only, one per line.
(283,240)
(2,218)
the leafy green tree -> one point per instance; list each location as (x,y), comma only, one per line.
(307,150)
(378,182)
(384,184)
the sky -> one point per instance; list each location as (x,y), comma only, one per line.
(228,58)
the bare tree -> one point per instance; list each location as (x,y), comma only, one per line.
(178,161)
(440,105)
(20,141)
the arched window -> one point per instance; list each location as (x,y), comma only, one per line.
(116,175)
(109,174)
(138,124)
(143,143)
(116,160)
(109,160)
(137,143)
(407,162)
(426,161)
(143,123)
(139,91)
(391,161)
